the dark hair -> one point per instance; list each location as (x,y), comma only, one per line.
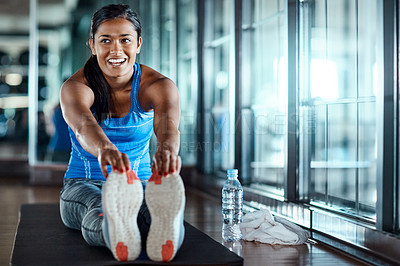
(92,71)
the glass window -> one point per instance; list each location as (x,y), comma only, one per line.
(187,79)
(338,85)
(168,39)
(149,14)
(219,83)
(265,89)
(53,137)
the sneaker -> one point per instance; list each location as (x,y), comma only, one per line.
(165,198)
(122,196)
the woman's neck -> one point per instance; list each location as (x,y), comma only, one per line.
(120,83)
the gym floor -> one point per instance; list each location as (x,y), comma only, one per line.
(202,211)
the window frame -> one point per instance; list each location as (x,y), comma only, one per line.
(387,138)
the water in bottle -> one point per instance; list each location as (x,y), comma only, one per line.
(232,207)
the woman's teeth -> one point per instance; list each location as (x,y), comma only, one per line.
(116,61)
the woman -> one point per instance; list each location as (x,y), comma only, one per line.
(112,106)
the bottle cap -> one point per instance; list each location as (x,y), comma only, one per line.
(232,171)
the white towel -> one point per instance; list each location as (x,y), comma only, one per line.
(261,226)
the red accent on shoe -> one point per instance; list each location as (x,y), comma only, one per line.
(122,251)
(156,178)
(101,214)
(167,251)
(131,176)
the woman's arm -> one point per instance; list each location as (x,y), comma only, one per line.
(165,101)
(76,100)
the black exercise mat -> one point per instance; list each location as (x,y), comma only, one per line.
(42,239)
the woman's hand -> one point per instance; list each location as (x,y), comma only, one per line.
(112,156)
(166,162)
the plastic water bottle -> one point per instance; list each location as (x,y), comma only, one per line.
(232,207)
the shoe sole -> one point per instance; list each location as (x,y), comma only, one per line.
(122,196)
(165,199)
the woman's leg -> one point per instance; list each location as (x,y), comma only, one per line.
(80,208)
(144,218)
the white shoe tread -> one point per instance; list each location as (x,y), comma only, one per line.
(166,202)
(121,204)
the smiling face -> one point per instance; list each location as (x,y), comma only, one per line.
(116,45)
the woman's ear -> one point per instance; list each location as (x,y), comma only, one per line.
(139,45)
(92,46)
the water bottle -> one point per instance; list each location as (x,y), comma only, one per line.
(232,207)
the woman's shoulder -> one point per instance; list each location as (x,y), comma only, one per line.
(76,86)
(151,78)
(76,82)
(77,77)
(155,88)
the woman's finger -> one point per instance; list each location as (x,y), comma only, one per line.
(104,170)
(159,162)
(119,163)
(154,167)
(178,164)
(126,162)
(166,155)
(172,163)
(104,161)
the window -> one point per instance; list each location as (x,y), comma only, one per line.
(338,88)
(168,38)
(219,85)
(187,79)
(265,89)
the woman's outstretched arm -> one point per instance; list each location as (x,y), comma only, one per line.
(76,100)
(165,99)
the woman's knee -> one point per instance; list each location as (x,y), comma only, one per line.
(69,216)
(76,199)
(91,227)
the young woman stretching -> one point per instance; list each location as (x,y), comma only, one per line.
(112,106)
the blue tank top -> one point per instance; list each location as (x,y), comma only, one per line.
(130,134)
